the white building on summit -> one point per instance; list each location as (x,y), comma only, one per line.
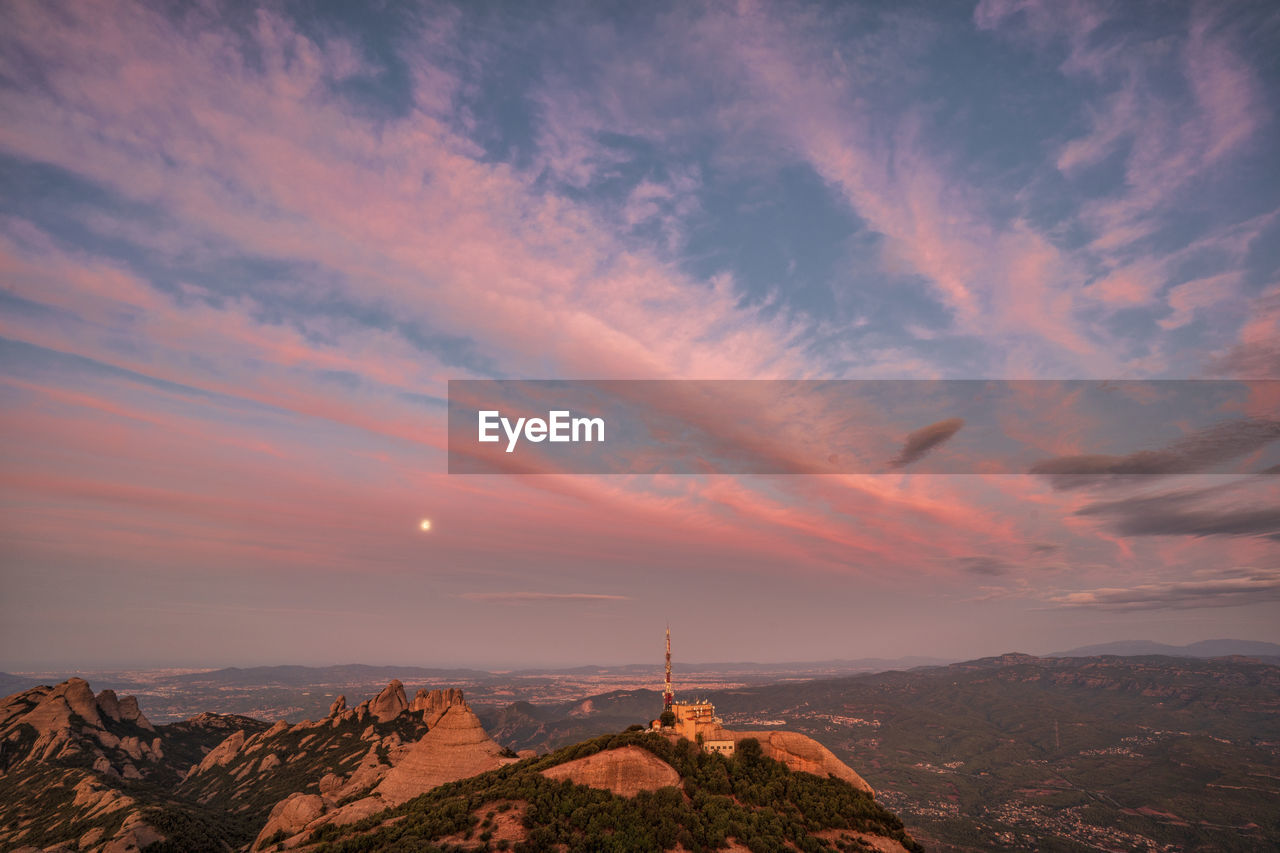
(696,721)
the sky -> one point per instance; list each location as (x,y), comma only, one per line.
(245,247)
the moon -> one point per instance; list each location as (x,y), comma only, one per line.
(424,525)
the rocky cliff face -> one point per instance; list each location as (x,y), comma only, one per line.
(454,747)
(67,761)
(625,771)
(89,756)
(803,754)
(433,703)
(288,775)
(69,723)
(693,800)
(87,772)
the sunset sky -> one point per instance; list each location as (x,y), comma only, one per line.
(244,248)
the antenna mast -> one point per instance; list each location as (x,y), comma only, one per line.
(667,696)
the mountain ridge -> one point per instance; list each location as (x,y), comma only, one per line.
(89,772)
(1202,649)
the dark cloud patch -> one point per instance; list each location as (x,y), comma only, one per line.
(1043,548)
(1185,513)
(1231,588)
(1196,452)
(985,565)
(924,440)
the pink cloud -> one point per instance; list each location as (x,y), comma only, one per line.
(409,219)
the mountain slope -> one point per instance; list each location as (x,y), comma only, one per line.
(92,770)
(87,772)
(748,801)
(1023,753)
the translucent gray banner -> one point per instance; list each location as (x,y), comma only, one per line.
(1072,432)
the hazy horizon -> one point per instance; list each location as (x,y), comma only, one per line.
(245,248)
(500,666)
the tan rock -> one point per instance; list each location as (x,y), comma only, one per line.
(109,705)
(130,712)
(339,705)
(368,773)
(456,748)
(97,799)
(625,771)
(804,754)
(132,746)
(389,704)
(352,812)
(435,702)
(222,754)
(331,782)
(91,838)
(291,815)
(134,835)
(55,707)
(81,700)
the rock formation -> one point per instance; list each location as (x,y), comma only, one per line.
(69,721)
(239,774)
(456,748)
(388,704)
(434,703)
(354,763)
(625,771)
(65,737)
(109,705)
(803,754)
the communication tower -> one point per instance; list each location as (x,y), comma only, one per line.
(668,696)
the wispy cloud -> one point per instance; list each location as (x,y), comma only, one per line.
(1231,588)
(244,252)
(528,597)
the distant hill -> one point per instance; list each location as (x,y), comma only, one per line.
(305,676)
(807,668)
(1202,649)
(10,683)
(1017,752)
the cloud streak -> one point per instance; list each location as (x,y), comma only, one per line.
(1186,513)
(1235,588)
(1196,452)
(924,440)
